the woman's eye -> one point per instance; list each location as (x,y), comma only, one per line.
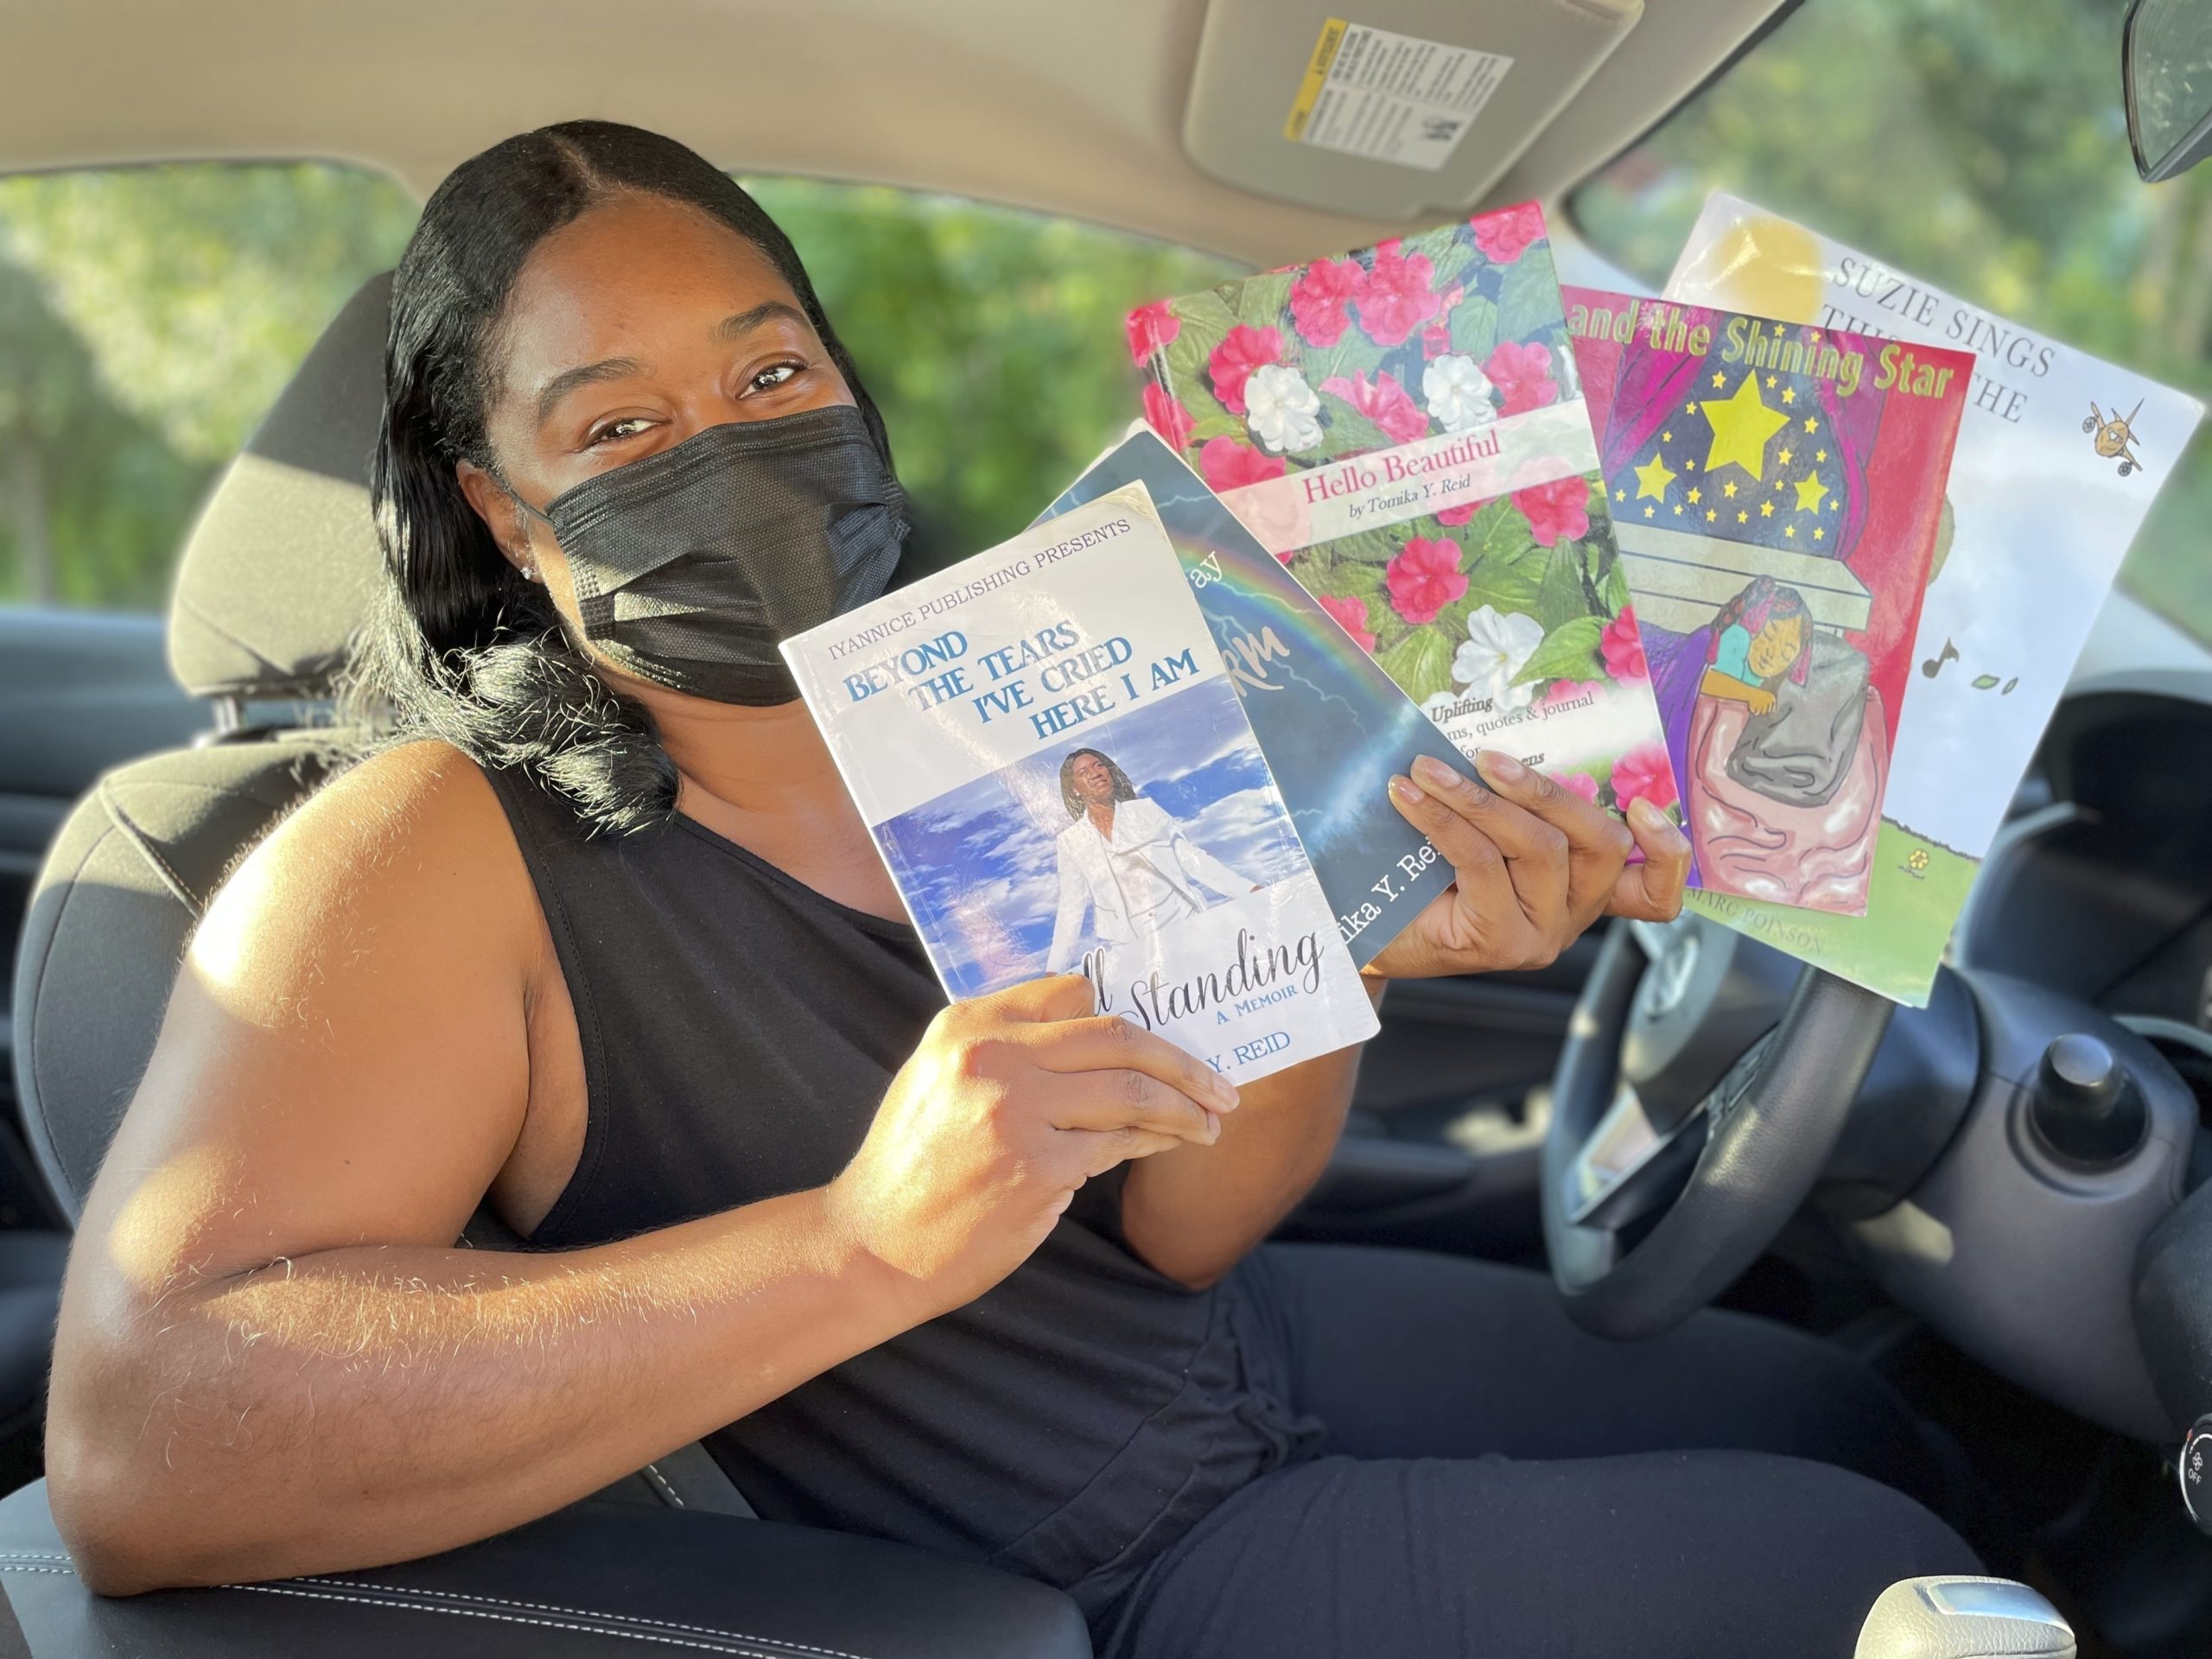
(768,380)
(629,426)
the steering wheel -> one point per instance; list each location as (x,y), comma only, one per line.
(1703,1068)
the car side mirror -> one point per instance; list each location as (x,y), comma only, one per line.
(2165,70)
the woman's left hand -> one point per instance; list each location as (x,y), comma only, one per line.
(1535,865)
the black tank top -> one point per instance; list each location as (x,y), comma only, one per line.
(739,1029)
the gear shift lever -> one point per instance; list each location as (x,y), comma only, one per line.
(1963,1618)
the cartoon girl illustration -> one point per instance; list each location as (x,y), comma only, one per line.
(1762,634)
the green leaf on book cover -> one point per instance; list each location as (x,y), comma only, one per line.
(1420,664)
(1451,255)
(1366,547)
(1569,652)
(1353,355)
(1345,579)
(1560,596)
(1347,429)
(1261,300)
(1498,531)
(1507,586)
(1529,302)
(1205,323)
(1215,423)
(1474,326)
(1983,682)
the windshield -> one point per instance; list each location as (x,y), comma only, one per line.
(1980,144)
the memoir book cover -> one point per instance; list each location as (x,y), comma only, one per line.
(1045,744)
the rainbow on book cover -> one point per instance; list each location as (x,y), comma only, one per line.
(1777,495)
(1404,427)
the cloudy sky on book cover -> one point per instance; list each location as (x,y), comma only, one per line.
(1333,725)
(1404,426)
(1045,745)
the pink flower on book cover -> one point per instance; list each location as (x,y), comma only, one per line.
(1383,401)
(1524,373)
(1499,645)
(1166,416)
(1282,410)
(1581,782)
(1246,348)
(1320,298)
(1504,236)
(1226,464)
(1424,579)
(1436,338)
(1457,393)
(1567,691)
(1350,612)
(1644,773)
(1621,646)
(1152,329)
(1396,299)
(1556,511)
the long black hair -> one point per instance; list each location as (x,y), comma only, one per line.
(459,646)
(1123,789)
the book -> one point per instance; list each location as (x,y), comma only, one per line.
(1045,746)
(1404,427)
(1777,495)
(2059,456)
(1333,725)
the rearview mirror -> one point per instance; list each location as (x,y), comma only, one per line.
(2165,68)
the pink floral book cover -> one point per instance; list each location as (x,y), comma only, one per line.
(1405,429)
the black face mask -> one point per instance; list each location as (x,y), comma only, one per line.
(691,565)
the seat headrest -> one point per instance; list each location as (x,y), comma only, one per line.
(278,573)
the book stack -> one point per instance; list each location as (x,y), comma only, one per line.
(1717,551)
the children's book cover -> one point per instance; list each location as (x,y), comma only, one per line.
(1778,493)
(2059,456)
(1332,724)
(1045,745)
(1404,427)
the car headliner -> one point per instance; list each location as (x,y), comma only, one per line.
(1068,107)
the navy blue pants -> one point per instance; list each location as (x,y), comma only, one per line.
(1496,1485)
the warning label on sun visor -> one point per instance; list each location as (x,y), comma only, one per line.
(1391,97)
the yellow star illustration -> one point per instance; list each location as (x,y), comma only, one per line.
(1741,427)
(1719,379)
(1690,409)
(1708,515)
(1678,509)
(1790,394)
(1653,478)
(1666,437)
(1811,425)
(1696,495)
(1820,454)
(1729,489)
(1819,534)
(1770,380)
(1620,495)
(1809,492)
(1790,530)
(1779,482)
(1647,511)
(1783,454)
(1743,517)
(1689,466)
(1766,509)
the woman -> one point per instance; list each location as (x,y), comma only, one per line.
(1125,860)
(1760,637)
(606,946)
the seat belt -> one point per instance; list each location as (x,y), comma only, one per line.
(688,1479)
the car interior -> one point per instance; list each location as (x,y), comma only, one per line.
(1884,1177)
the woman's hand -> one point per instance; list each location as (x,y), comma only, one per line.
(1012,1101)
(1535,865)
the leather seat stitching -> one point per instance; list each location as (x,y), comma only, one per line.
(406,1591)
(653,1474)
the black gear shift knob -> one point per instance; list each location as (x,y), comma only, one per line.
(2086,1109)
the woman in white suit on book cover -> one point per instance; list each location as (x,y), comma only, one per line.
(1127,860)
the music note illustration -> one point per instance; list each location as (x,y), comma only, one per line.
(1934,665)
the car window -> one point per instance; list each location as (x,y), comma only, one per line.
(990,338)
(1980,144)
(147,316)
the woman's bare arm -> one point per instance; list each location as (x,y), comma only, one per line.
(271,1359)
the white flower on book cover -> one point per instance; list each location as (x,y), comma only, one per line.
(1498,648)
(1282,410)
(1457,393)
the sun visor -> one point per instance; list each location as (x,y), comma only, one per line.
(1394,108)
